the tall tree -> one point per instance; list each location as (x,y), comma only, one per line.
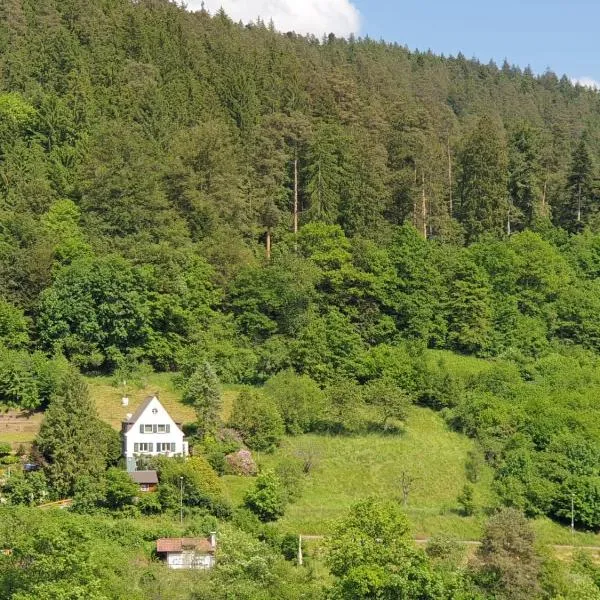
(580,202)
(71,438)
(525,177)
(509,565)
(482,183)
(203,393)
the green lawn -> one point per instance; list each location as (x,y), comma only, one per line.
(17,437)
(350,468)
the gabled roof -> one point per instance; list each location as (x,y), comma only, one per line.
(179,544)
(148,477)
(140,409)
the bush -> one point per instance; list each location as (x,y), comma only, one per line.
(256,417)
(466,500)
(149,504)
(201,485)
(5,449)
(241,463)
(268,498)
(300,400)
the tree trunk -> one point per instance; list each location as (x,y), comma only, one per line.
(295,195)
(451,208)
(544,195)
(424,209)
(268,243)
(415,223)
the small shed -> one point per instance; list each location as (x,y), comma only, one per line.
(147,480)
(188,553)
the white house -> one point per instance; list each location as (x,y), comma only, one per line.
(188,553)
(151,431)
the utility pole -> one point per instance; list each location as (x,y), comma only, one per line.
(300,558)
(181,500)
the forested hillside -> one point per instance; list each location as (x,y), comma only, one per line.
(177,189)
(345,227)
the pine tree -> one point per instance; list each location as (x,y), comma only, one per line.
(71,438)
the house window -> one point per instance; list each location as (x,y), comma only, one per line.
(165,447)
(143,447)
(144,487)
(147,428)
(162,429)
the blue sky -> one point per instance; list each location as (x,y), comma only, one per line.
(559,34)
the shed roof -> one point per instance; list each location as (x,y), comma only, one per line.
(179,544)
(148,477)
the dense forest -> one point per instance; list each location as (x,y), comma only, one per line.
(182,193)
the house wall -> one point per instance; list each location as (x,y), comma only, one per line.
(149,417)
(189,560)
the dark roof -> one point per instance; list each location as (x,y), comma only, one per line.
(149,477)
(179,544)
(140,409)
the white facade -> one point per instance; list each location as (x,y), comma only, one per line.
(151,431)
(189,559)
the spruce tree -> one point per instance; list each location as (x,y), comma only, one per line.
(482,185)
(525,176)
(203,393)
(580,201)
(71,438)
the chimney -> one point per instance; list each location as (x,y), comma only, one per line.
(213,540)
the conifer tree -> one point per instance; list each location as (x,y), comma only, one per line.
(71,438)
(580,201)
(525,175)
(482,185)
(203,393)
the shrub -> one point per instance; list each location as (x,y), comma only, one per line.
(267,499)
(300,400)
(149,504)
(257,419)
(241,463)
(466,500)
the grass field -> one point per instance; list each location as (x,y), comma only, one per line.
(350,468)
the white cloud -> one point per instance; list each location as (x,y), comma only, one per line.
(302,16)
(587,82)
